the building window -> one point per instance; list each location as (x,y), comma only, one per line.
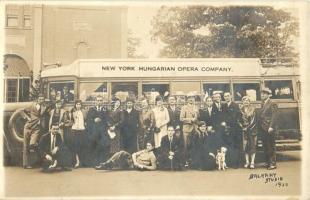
(247,89)
(89,91)
(213,88)
(12,21)
(63,91)
(27,21)
(11,91)
(24,85)
(124,90)
(151,91)
(281,89)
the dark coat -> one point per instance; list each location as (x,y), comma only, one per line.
(219,115)
(174,116)
(206,117)
(268,116)
(97,131)
(62,156)
(233,115)
(165,148)
(129,130)
(199,148)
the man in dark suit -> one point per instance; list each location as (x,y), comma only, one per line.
(218,109)
(267,127)
(99,141)
(130,127)
(53,151)
(207,113)
(233,122)
(36,125)
(170,151)
(174,113)
(203,148)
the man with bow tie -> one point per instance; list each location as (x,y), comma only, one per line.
(99,141)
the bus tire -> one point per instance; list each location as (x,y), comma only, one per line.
(13,125)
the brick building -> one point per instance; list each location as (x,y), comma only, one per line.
(42,35)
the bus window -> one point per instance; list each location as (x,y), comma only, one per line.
(62,91)
(89,91)
(281,89)
(122,90)
(246,89)
(212,88)
(151,91)
(24,85)
(11,91)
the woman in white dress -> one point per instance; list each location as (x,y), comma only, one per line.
(161,116)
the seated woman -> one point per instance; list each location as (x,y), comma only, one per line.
(142,160)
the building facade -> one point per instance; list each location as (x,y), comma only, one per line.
(45,34)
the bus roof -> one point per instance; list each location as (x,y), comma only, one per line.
(247,67)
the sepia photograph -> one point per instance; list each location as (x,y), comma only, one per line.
(154,100)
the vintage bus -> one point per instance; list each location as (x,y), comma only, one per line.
(87,78)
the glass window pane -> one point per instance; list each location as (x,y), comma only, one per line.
(11,95)
(12,21)
(212,88)
(151,91)
(24,85)
(124,90)
(247,89)
(62,91)
(280,89)
(89,91)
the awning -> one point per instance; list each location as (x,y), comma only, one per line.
(15,66)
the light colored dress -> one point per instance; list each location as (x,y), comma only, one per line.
(161,116)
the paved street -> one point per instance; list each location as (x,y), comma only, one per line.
(89,182)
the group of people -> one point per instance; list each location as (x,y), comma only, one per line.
(167,137)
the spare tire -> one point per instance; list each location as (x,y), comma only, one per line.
(16,125)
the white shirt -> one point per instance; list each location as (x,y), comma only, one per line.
(53,141)
(129,110)
(210,110)
(78,120)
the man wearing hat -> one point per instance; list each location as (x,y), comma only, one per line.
(267,127)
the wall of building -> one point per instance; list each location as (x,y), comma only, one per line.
(66,33)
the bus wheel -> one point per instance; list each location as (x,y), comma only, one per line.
(16,125)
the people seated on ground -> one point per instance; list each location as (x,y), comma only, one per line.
(170,151)
(53,151)
(141,160)
(203,147)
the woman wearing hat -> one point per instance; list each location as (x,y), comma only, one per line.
(114,124)
(249,131)
(161,116)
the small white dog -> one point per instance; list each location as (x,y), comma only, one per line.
(220,158)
